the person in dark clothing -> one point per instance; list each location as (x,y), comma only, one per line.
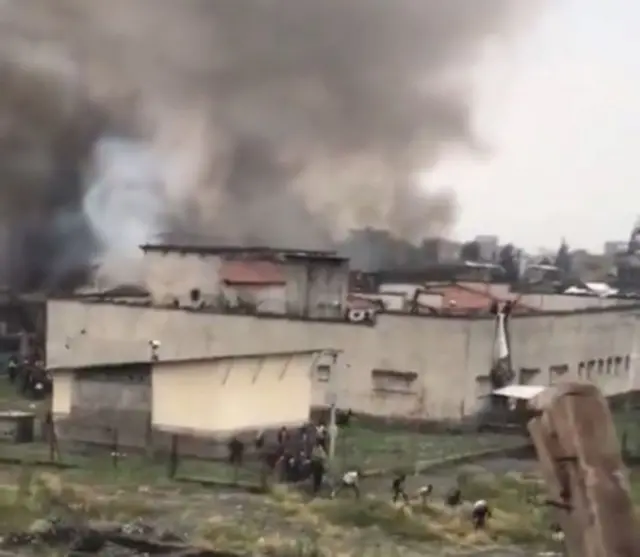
(318,467)
(292,468)
(322,435)
(236,452)
(12,369)
(397,488)
(283,436)
(480,513)
(305,465)
(454,497)
(259,441)
(303,435)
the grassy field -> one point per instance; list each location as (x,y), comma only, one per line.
(372,451)
(285,522)
(386,450)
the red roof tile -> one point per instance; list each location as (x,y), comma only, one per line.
(258,273)
(458,297)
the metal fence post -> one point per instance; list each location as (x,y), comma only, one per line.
(173,457)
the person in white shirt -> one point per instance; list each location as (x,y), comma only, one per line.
(480,513)
(424,492)
(350,481)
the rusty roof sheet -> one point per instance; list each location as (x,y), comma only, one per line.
(458,297)
(257,273)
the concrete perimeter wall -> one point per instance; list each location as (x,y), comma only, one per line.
(409,366)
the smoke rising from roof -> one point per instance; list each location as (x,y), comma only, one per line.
(274,121)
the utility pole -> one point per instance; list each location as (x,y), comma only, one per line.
(332,401)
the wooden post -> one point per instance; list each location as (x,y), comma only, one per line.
(50,429)
(173,457)
(333,433)
(579,454)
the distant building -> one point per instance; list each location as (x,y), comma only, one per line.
(612,248)
(489,246)
(440,250)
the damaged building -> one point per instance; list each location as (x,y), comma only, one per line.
(255,279)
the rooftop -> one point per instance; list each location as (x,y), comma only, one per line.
(630,308)
(252,273)
(464,298)
(264,251)
(198,359)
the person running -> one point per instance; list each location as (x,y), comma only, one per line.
(397,488)
(318,467)
(350,481)
(424,492)
(480,513)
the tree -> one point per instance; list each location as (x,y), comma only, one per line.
(563,258)
(508,260)
(470,251)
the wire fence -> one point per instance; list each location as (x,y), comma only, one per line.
(252,465)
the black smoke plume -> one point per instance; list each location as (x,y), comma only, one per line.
(280,121)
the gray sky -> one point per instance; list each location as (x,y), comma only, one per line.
(561,116)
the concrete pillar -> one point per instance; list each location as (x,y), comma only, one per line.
(580,460)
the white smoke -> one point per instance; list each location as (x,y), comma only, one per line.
(123,204)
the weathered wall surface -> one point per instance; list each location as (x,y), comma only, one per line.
(232,394)
(424,367)
(104,406)
(265,299)
(174,276)
(83,334)
(316,289)
(62,388)
(547,348)
(440,353)
(566,302)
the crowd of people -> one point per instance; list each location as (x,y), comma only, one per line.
(29,377)
(296,456)
(303,455)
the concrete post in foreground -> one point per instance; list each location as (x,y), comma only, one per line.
(580,460)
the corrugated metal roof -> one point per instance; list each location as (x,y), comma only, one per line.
(257,273)
(522,392)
